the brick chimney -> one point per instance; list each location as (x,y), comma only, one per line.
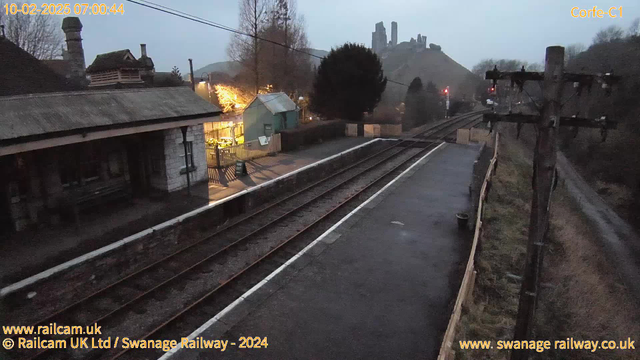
(72,28)
(143,50)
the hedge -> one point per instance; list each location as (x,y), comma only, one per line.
(311,133)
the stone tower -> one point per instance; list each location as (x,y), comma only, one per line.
(379,38)
(394,33)
(72,28)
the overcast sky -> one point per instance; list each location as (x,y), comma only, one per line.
(468,31)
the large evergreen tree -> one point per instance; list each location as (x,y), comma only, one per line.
(434,102)
(348,83)
(415,102)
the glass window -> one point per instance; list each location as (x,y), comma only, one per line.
(90,162)
(189,155)
(79,164)
(115,164)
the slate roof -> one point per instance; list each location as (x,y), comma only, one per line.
(30,117)
(21,73)
(113,61)
(61,67)
(274,102)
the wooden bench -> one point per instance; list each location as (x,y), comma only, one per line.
(99,196)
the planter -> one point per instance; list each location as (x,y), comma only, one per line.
(463,220)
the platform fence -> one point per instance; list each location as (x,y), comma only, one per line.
(466,288)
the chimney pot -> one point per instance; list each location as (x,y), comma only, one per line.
(143,50)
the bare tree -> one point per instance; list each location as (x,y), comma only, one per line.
(572,51)
(287,68)
(39,35)
(634,28)
(245,49)
(610,34)
(503,65)
(275,60)
(535,67)
(2,15)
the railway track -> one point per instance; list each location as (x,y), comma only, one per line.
(198,281)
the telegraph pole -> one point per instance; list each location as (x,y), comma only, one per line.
(544,167)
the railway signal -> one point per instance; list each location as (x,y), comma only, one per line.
(446,92)
(544,165)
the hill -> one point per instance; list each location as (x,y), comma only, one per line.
(314,60)
(232,68)
(404,62)
(226,67)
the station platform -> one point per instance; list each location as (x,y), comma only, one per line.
(380,284)
(32,251)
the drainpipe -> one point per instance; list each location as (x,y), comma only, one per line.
(186,159)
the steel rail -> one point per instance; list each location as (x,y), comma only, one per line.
(296,235)
(159,263)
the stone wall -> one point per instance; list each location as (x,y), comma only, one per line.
(390,130)
(351,130)
(371,130)
(174,162)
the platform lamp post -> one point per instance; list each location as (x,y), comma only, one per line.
(302,104)
(208,82)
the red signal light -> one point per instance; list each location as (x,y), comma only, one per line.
(446,91)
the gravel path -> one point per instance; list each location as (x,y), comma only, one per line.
(617,237)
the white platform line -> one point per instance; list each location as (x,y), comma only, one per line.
(242,298)
(79,260)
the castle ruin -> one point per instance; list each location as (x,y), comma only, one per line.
(379,39)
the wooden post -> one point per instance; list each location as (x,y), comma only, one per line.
(544,164)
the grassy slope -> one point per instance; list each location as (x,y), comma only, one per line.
(403,65)
(492,314)
(583,298)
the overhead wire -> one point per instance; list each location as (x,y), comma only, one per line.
(187,16)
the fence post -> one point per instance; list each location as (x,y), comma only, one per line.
(217,157)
